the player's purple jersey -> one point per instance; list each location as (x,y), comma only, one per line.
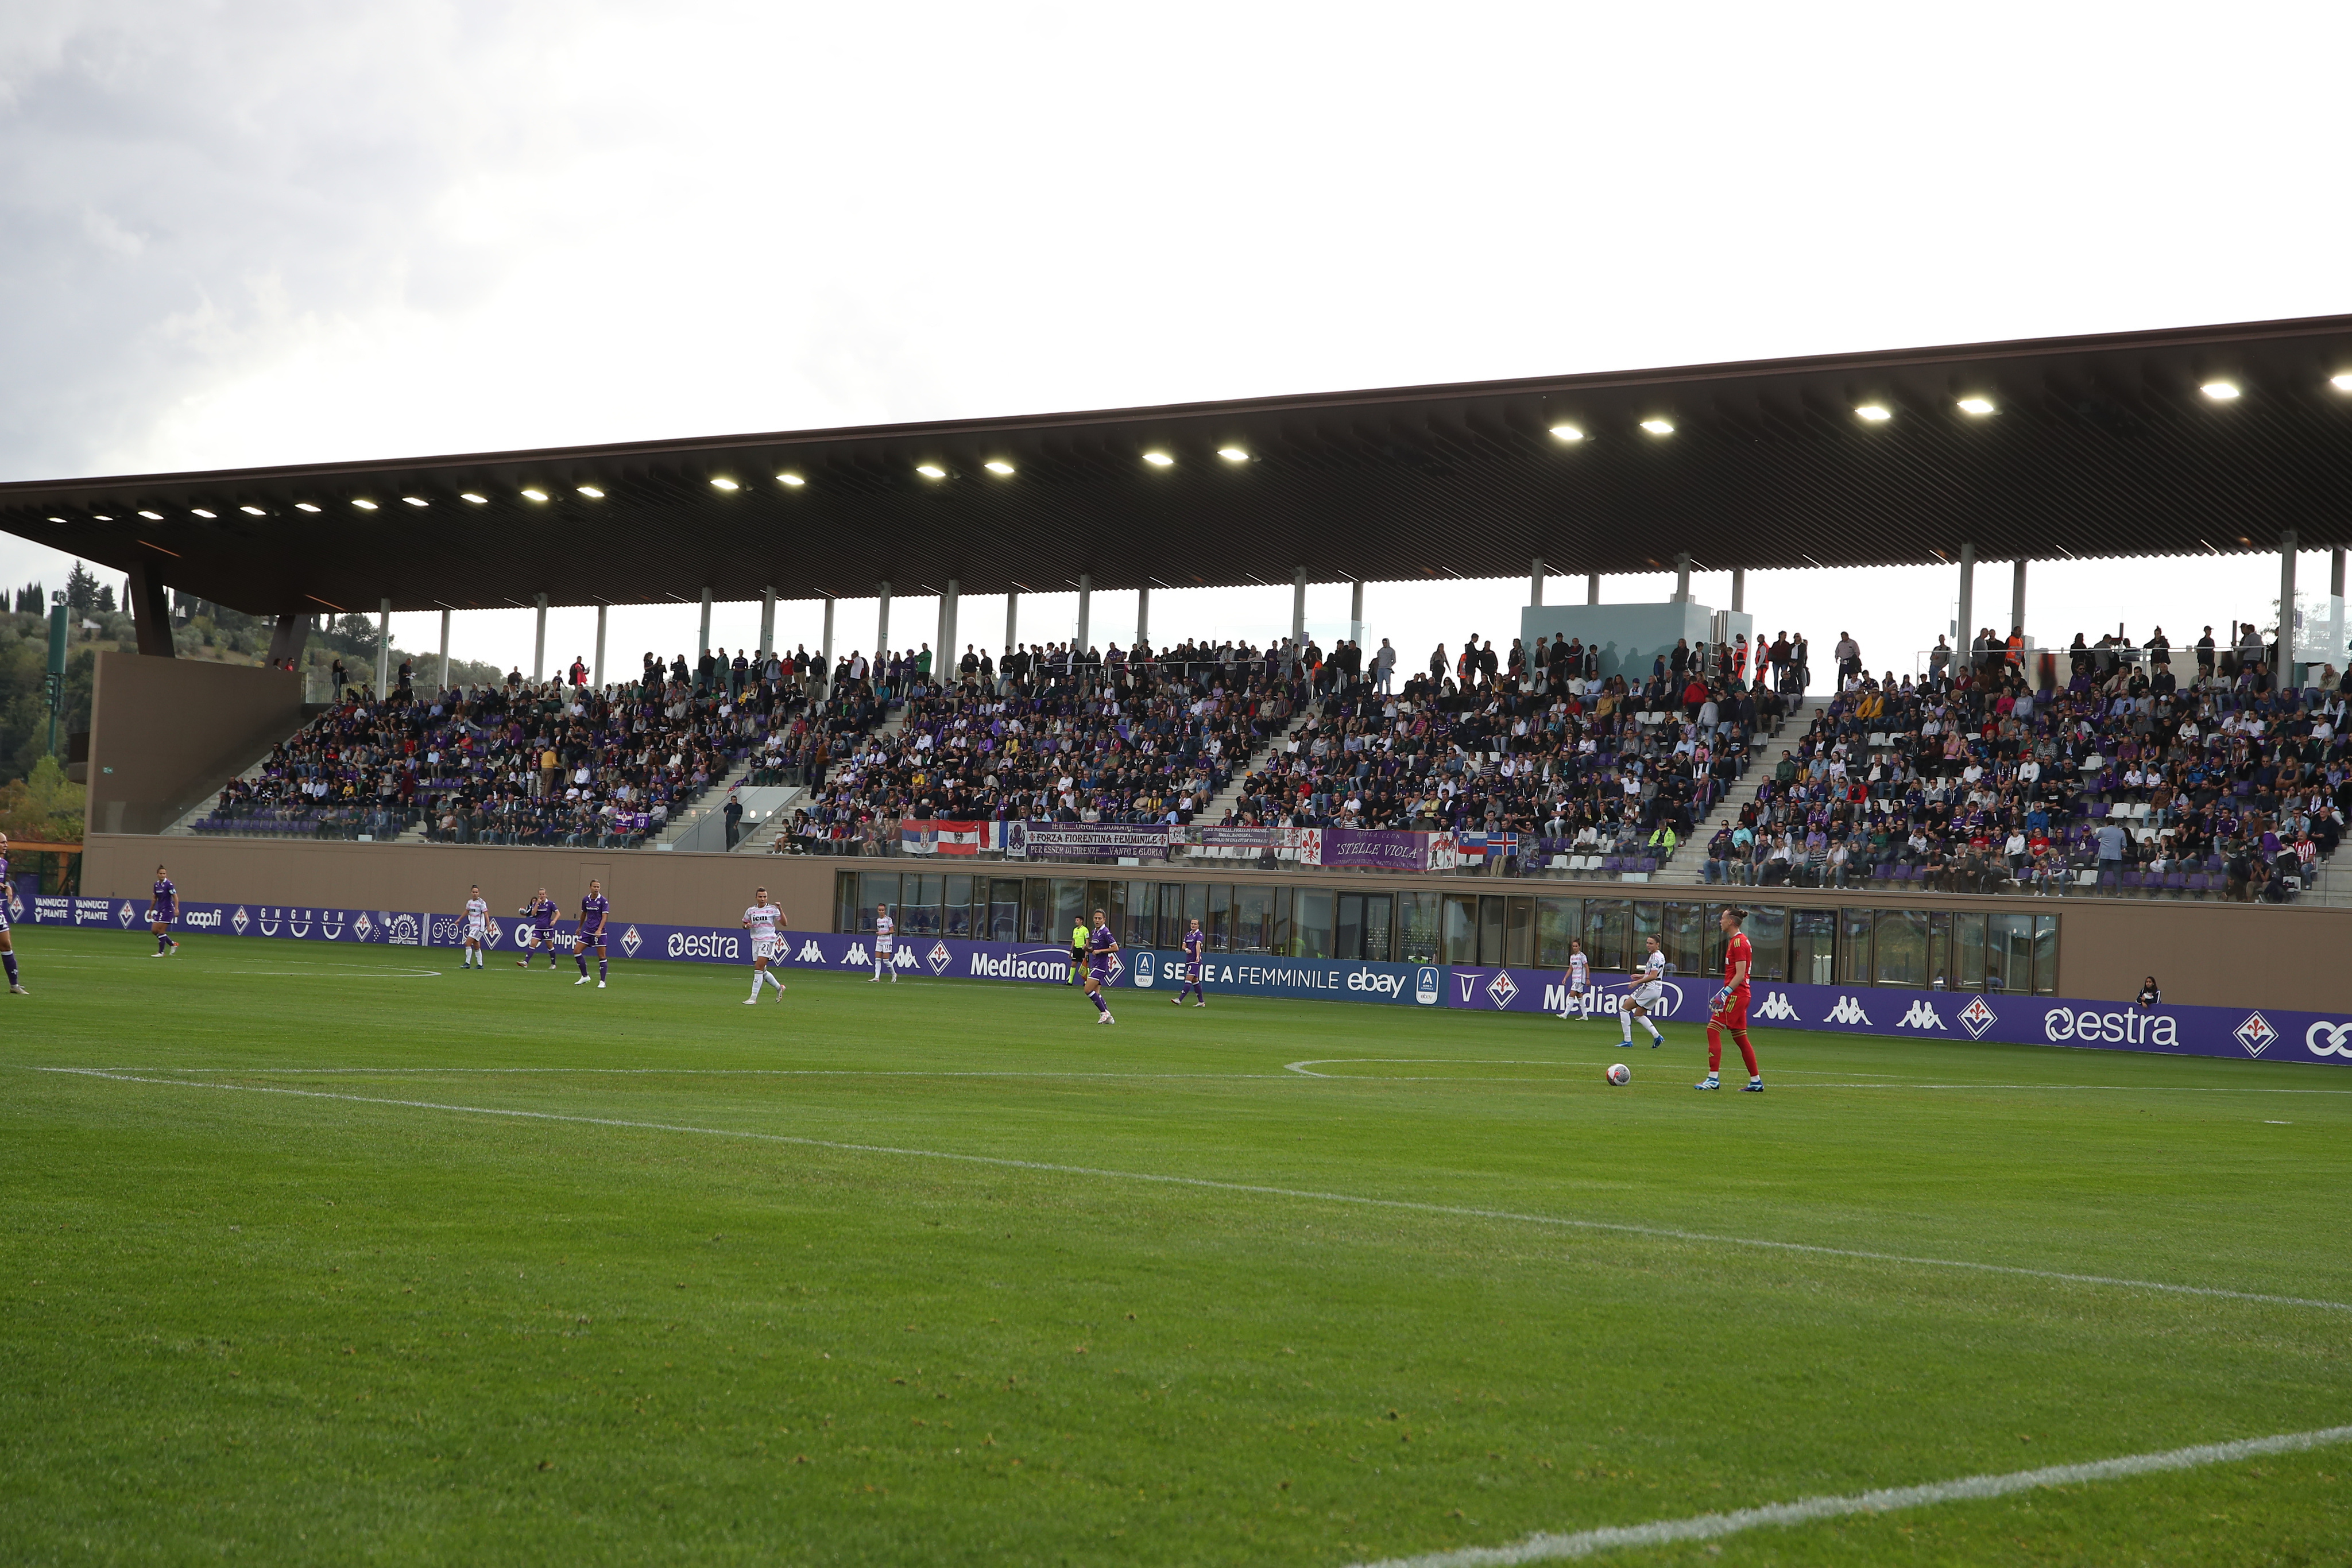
(1099,947)
(167,898)
(542,915)
(1192,944)
(7,891)
(593,910)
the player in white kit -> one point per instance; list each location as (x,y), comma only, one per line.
(1649,991)
(477,929)
(885,938)
(1579,980)
(766,922)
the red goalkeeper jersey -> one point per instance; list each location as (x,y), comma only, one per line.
(1737,953)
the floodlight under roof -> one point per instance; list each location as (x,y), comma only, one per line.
(1159,459)
(534,494)
(1976,405)
(997,466)
(2342,382)
(202,513)
(298,506)
(257,512)
(364,506)
(416,500)
(1875,412)
(2220,391)
(725,485)
(1658,426)
(591,491)
(1568,433)
(151,517)
(795,480)
(930,471)
(477,500)
(1232,453)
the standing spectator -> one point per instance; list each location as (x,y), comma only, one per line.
(1939,661)
(1383,667)
(2205,656)
(2111,848)
(1849,658)
(2149,995)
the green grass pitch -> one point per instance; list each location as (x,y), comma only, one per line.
(718,1298)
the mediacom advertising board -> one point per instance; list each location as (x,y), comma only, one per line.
(2263,1033)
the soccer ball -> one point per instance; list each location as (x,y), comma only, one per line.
(1620,1074)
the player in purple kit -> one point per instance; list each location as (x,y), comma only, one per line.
(541,911)
(1193,942)
(8,942)
(593,911)
(165,910)
(1100,945)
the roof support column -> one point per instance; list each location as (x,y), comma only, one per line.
(824,654)
(1085,612)
(1964,625)
(150,610)
(2017,597)
(706,621)
(1356,612)
(1535,583)
(384,649)
(1593,588)
(881,631)
(1298,612)
(2336,605)
(1012,621)
(596,677)
(2285,673)
(944,666)
(1682,577)
(444,645)
(291,632)
(1738,589)
(767,623)
(1143,615)
(539,645)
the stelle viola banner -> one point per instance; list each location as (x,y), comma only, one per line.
(2268,1034)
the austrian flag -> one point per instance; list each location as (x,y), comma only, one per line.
(929,836)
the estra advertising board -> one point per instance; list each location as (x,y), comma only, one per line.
(2263,1033)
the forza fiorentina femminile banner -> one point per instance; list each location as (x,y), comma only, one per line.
(2268,1034)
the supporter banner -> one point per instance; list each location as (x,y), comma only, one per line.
(924,836)
(2264,1033)
(1092,841)
(1364,849)
(1235,841)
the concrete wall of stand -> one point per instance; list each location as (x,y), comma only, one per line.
(2211,954)
(165,733)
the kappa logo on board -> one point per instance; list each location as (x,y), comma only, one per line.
(1923,1015)
(1847,1011)
(811,953)
(857,956)
(1778,1008)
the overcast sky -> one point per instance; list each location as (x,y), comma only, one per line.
(238,233)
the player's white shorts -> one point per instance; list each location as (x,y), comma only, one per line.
(475,931)
(768,947)
(882,945)
(1649,993)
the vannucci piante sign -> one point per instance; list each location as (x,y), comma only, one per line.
(2267,1034)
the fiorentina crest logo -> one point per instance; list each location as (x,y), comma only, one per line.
(362,927)
(238,922)
(2255,1034)
(1977,1017)
(128,915)
(631,941)
(939,957)
(1502,988)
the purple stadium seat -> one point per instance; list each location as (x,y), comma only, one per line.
(2197,883)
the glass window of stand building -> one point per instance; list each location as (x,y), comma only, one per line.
(1809,943)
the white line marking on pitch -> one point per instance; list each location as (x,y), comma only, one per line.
(418,1072)
(1212,1183)
(1549,1548)
(1302,1070)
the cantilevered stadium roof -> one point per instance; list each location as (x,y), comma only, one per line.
(2184,442)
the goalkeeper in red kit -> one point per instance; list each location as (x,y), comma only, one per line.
(1729,1008)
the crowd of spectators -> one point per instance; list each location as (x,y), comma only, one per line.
(1060,733)
(1533,741)
(557,762)
(2099,769)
